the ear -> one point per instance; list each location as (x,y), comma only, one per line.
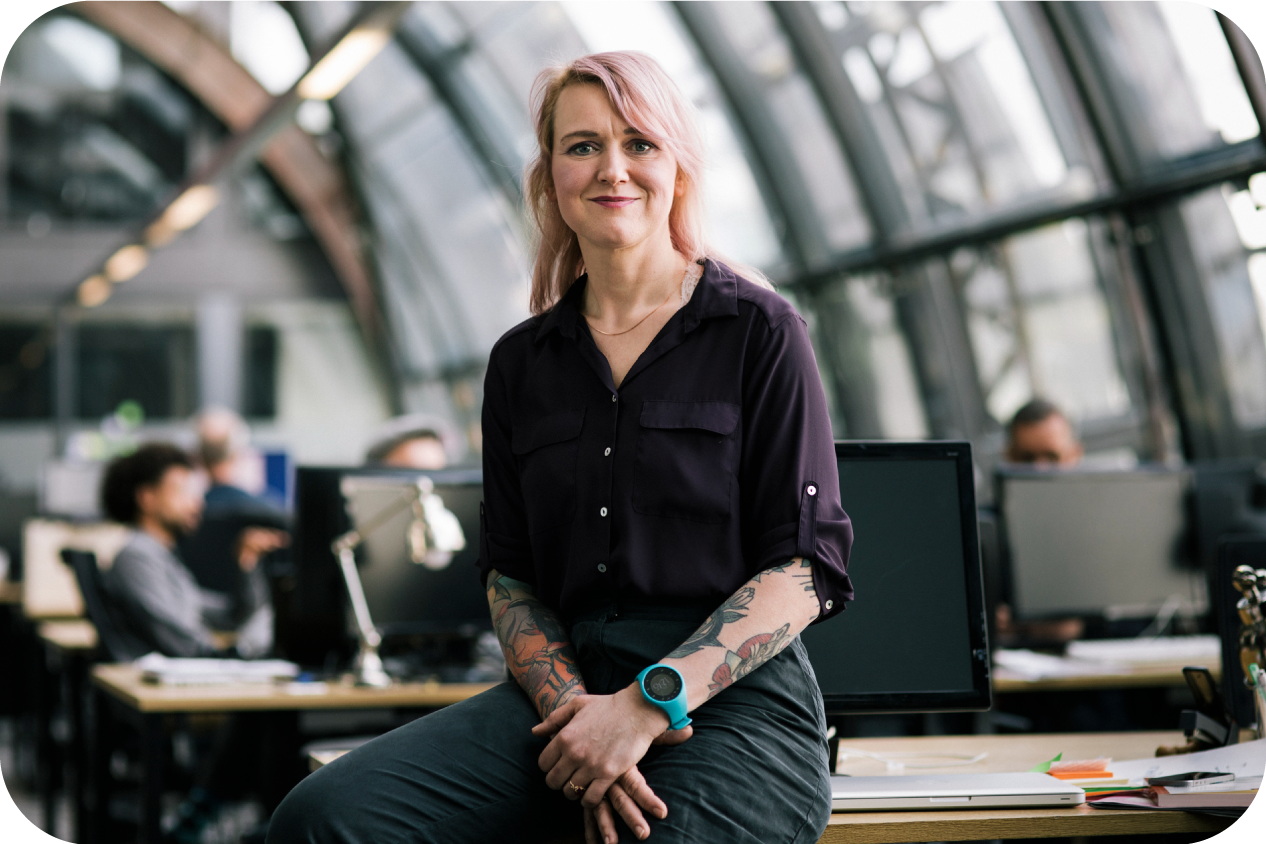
(679,185)
(145,498)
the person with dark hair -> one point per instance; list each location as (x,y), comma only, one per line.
(156,491)
(1039,434)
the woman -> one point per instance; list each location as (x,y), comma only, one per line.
(661,520)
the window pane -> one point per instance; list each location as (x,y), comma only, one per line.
(150,365)
(1229,261)
(25,372)
(94,132)
(759,42)
(1176,81)
(1039,323)
(865,360)
(951,97)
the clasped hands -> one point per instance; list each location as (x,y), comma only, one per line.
(597,742)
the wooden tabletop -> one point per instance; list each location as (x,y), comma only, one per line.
(124,683)
(76,635)
(10,592)
(1006,753)
(1143,676)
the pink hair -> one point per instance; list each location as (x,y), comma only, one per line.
(644,97)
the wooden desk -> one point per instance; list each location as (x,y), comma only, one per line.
(1006,753)
(119,689)
(1141,677)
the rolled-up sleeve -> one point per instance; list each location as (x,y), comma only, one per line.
(789,478)
(503,540)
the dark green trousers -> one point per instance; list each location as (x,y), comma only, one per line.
(755,769)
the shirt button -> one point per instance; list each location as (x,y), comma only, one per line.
(812,490)
(603,512)
(607,453)
(602,567)
(613,397)
(830,604)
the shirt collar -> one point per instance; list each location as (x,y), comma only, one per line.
(716,295)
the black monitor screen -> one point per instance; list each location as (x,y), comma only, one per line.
(404,596)
(914,639)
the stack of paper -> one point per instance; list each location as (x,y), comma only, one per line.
(1247,761)
(156,668)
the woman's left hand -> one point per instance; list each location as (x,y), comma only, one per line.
(597,738)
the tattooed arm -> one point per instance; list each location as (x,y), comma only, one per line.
(535,644)
(599,737)
(750,628)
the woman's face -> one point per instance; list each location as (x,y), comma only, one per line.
(614,186)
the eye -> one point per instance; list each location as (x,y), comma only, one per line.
(582,148)
(642,146)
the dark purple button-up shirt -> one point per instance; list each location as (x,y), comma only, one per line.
(712,462)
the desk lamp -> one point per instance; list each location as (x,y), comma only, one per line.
(430,519)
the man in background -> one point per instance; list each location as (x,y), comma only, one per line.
(238,526)
(1039,434)
(162,608)
(416,441)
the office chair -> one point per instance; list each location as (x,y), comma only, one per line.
(88,575)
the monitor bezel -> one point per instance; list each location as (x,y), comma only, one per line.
(980,697)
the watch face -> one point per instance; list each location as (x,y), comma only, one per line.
(662,684)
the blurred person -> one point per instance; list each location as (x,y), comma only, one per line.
(1039,434)
(239,527)
(415,441)
(156,491)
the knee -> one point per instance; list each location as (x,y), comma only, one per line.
(303,817)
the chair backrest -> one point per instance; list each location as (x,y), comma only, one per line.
(96,603)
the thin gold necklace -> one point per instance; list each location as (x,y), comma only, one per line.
(592,327)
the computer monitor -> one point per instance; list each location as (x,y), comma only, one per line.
(915,639)
(1113,544)
(404,597)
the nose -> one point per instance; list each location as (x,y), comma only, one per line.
(612,167)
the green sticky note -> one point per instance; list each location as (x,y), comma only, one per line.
(1046,766)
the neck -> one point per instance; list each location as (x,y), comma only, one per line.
(152,526)
(627,282)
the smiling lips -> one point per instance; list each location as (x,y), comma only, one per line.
(614,201)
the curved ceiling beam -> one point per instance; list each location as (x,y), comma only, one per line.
(231,93)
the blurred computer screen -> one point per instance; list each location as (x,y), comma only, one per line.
(1099,543)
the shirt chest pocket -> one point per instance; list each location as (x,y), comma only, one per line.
(687,456)
(546,451)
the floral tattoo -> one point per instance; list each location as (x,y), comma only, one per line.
(750,655)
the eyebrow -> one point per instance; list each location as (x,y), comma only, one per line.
(589,133)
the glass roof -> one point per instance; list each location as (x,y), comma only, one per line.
(949,191)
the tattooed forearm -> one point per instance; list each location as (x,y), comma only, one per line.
(781,599)
(535,644)
(706,636)
(750,655)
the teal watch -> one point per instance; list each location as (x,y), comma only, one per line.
(663,686)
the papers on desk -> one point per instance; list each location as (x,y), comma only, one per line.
(1035,666)
(1161,650)
(1246,760)
(169,671)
